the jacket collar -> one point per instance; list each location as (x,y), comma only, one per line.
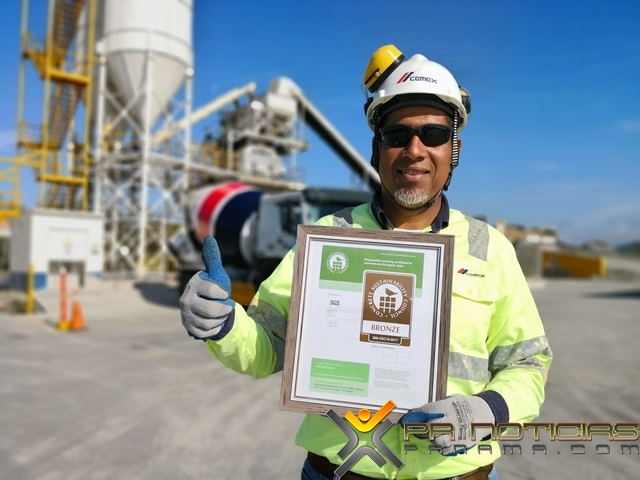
(439,223)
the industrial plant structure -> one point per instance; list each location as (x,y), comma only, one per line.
(114,141)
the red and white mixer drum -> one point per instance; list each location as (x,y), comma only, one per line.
(221,210)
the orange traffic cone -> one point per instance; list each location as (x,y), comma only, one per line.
(77,319)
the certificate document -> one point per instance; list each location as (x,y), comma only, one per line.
(369,320)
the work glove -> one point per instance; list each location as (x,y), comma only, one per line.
(205,305)
(458,410)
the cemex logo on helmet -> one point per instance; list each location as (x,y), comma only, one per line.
(409,76)
(364,422)
(464,271)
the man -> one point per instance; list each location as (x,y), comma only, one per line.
(499,354)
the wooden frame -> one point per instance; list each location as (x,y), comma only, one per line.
(379,260)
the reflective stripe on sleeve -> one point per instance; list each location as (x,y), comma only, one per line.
(520,355)
(478,237)
(467,367)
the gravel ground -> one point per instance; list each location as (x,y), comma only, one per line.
(134,397)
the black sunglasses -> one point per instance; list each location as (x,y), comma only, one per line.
(431,134)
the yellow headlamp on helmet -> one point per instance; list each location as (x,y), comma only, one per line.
(382,63)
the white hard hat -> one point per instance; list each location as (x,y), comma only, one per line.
(416,81)
(395,83)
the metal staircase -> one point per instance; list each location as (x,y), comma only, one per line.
(56,150)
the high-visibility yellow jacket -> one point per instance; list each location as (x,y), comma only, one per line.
(498,348)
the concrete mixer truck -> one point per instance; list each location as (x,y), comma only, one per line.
(254,229)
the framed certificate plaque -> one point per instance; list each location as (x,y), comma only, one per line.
(369,320)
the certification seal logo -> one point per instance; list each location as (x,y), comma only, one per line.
(337,262)
(386,308)
(387,298)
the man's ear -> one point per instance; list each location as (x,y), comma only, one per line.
(459,145)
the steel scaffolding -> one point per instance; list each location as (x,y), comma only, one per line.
(140,182)
(58,149)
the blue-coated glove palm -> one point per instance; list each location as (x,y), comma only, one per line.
(458,410)
(205,305)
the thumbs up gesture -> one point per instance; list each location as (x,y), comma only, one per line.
(205,306)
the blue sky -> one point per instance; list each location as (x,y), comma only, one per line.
(554,137)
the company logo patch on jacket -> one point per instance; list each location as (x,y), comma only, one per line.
(465,271)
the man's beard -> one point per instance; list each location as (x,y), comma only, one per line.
(410,197)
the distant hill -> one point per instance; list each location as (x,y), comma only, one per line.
(631,247)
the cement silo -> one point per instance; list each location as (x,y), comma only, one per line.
(146,37)
(143,84)
(127,33)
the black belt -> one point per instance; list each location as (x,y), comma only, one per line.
(324,467)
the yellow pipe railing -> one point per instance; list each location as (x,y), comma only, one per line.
(30,301)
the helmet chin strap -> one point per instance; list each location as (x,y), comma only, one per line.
(455,152)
